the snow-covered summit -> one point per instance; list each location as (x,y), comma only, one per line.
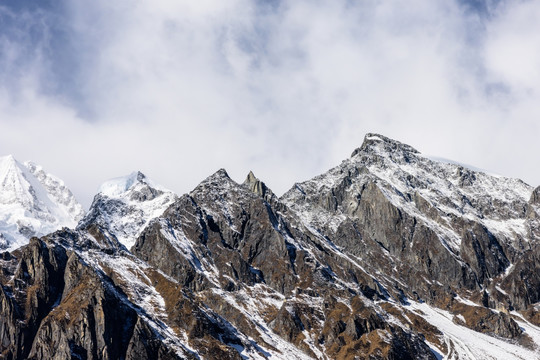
(32,203)
(380,143)
(125,205)
(405,177)
(117,187)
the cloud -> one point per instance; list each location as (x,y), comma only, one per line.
(513,46)
(178,89)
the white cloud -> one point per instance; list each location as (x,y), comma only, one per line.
(513,45)
(179,89)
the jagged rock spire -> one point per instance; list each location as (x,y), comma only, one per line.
(257,186)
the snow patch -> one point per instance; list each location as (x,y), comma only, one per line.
(466,344)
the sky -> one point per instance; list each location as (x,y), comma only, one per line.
(93,90)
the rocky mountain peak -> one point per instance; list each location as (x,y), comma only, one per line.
(250,178)
(379,144)
(217,182)
(134,187)
(140,176)
(221,174)
(119,186)
(257,186)
(125,205)
(389,255)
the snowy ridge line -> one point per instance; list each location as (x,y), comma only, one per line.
(440,180)
(433,180)
(32,203)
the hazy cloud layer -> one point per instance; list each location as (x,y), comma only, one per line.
(178,89)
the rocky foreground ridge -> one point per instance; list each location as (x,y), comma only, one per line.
(389,255)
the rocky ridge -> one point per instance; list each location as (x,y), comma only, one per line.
(390,255)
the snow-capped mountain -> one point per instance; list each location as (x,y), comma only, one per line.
(389,255)
(32,203)
(484,221)
(125,205)
(407,178)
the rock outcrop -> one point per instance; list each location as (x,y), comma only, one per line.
(390,255)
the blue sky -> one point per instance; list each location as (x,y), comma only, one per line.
(176,89)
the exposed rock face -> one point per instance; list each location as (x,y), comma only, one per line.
(57,307)
(388,256)
(258,187)
(388,199)
(484,320)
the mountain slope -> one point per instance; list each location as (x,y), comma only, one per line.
(390,255)
(32,203)
(455,226)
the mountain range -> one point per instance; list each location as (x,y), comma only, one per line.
(389,255)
